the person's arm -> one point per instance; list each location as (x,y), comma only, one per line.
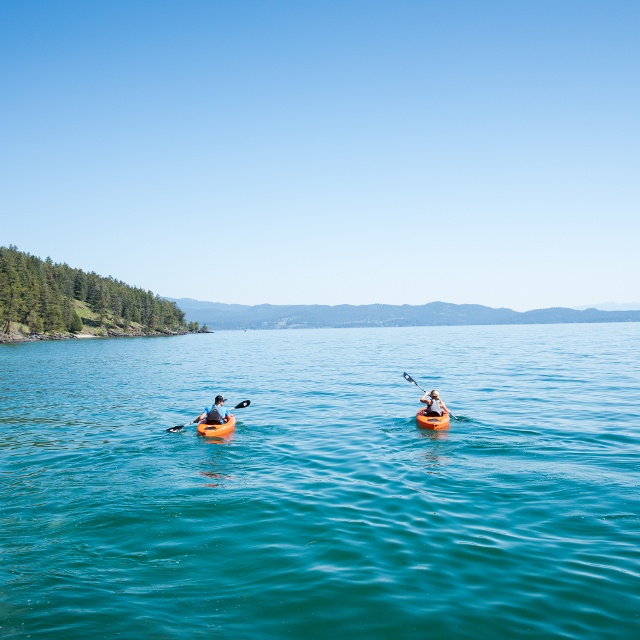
(425,398)
(444,407)
(203,415)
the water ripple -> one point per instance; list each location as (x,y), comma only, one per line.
(328,512)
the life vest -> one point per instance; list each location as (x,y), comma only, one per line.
(215,416)
(435,407)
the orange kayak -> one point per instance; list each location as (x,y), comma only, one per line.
(217,430)
(432,422)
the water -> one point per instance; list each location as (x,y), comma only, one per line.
(327,513)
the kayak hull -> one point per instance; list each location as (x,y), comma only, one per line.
(217,430)
(435,423)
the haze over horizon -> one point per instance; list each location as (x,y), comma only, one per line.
(328,153)
(602,306)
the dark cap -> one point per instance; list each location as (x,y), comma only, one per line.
(220,399)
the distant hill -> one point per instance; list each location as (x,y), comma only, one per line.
(217,315)
(612,306)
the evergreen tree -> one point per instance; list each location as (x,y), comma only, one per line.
(39,293)
(75,326)
(35,323)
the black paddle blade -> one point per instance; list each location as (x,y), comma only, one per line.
(243,404)
(408,378)
(180,427)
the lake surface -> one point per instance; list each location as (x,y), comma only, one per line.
(328,513)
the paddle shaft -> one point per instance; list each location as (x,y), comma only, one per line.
(408,378)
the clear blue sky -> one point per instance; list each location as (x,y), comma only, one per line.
(328,151)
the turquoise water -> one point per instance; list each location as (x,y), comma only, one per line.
(327,513)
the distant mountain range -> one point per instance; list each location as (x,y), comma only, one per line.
(612,306)
(217,315)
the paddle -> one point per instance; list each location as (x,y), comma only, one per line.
(180,427)
(408,378)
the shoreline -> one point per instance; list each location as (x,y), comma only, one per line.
(18,338)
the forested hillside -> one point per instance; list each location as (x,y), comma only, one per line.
(42,297)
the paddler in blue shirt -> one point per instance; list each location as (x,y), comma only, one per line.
(217,414)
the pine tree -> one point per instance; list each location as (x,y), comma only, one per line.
(75,326)
(39,293)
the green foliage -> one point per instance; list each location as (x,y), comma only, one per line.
(35,323)
(40,293)
(75,325)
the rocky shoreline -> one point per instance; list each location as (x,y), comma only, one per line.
(16,337)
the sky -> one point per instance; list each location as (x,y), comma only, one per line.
(328,152)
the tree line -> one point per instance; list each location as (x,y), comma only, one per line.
(40,294)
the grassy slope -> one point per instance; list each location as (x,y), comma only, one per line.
(91,327)
(90,320)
